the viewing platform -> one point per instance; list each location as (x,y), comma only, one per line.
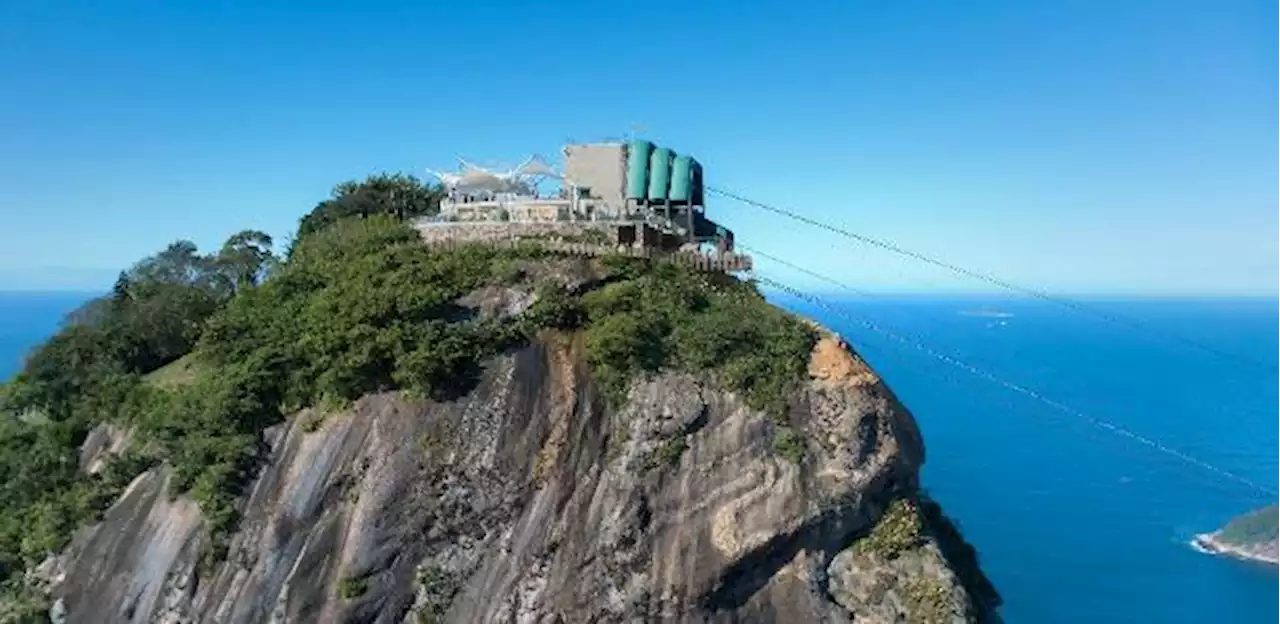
(634,239)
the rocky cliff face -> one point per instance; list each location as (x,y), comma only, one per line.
(529,500)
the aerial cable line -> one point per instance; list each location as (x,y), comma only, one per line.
(791,265)
(1099,423)
(996,281)
(1028,392)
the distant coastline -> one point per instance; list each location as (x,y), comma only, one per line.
(1212,544)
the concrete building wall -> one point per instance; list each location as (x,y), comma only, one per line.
(538,211)
(524,210)
(600,166)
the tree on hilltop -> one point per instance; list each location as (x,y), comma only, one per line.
(400,195)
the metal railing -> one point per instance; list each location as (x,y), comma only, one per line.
(724,262)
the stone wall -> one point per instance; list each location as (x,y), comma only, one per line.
(502,230)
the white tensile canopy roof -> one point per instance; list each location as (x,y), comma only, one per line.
(473,178)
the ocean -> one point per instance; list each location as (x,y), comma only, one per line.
(1073,523)
(27,319)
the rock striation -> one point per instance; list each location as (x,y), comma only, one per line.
(532,500)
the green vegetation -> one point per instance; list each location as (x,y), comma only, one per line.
(188,351)
(669,452)
(1252,528)
(23,604)
(198,354)
(508,272)
(927,601)
(360,307)
(352,587)
(788,444)
(91,372)
(180,372)
(437,588)
(397,195)
(655,316)
(900,529)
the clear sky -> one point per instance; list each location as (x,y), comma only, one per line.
(1080,146)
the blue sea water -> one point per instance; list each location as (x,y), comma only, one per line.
(1072,523)
(27,319)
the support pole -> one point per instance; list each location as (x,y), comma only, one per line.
(692,235)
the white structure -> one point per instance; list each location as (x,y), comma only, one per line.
(591,189)
(477,183)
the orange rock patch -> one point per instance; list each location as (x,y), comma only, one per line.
(832,360)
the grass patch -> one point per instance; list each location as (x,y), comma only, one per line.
(181,372)
(928,601)
(788,444)
(900,529)
(669,452)
(437,588)
(350,587)
(312,422)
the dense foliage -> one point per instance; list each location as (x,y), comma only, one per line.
(153,315)
(90,372)
(665,315)
(398,195)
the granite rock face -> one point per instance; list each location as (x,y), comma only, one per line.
(529,500)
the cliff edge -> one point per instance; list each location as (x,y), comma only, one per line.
(584,474)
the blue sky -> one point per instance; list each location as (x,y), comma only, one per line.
(1078,146)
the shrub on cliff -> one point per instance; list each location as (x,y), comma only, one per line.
(899,529)
(666,315)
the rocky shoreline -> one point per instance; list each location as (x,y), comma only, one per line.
(1211,543)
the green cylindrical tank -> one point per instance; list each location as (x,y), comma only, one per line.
(660,173)
(682,179)
(638,168)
